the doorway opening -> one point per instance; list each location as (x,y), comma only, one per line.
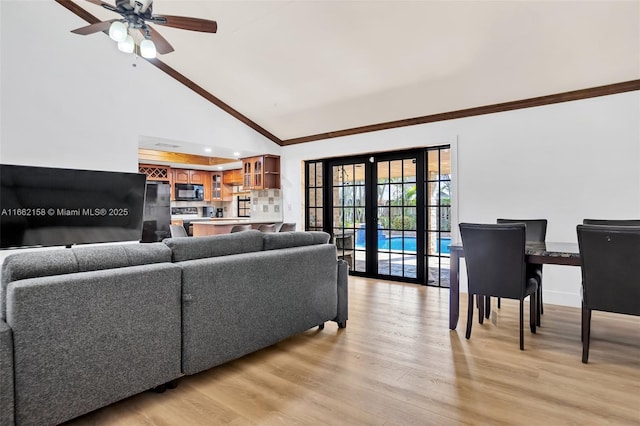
(388,213)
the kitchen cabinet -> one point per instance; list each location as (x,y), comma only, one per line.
(198,177)
(194,177)
(220,191)
(232,177)
(261,172)
(206,182)
(180,175)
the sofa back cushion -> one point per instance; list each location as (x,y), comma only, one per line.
(280,240)
(120,256)
(215,245)
(49,262)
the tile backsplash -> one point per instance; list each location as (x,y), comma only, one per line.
(266,205)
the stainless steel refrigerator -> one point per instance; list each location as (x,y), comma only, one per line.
(157,212)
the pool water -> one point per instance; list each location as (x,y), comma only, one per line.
(395,243)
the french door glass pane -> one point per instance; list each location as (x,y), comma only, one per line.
(409,171)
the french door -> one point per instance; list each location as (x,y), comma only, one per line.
(375,208)
(375,214)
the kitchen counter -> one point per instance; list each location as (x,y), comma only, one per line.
(221,225)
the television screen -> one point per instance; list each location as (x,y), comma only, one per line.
(41,206)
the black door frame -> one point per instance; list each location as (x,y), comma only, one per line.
(370,162)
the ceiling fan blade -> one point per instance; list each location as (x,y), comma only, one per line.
(162,45)
(185,23)
(94,28)
(103,4)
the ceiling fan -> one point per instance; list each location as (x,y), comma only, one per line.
(136,15)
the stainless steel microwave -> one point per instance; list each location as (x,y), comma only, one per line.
(188,192)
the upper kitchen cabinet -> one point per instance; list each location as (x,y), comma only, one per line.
(180,175)
(155,172)
(220,191)
(196,177)
(262,172)
(206,182)
(199,177)
(232,177)
(193,177)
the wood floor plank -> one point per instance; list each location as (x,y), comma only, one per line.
(397,363)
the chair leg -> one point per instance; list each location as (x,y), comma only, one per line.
(586,333)
(582,323)
(480,308)
(499,303)
(469,316)
(540,298)
(533,312)
(487,306)
(539,305)
(521,324)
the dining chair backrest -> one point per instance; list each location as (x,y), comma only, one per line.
(287,227)
(610,279)
(264,227)
(344,241)
(612,222)
(495,258)
(177,231)
(536,228)
(240,228)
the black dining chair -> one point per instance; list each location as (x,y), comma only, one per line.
(609,275)
(536,231)
(496,266)
(611,222)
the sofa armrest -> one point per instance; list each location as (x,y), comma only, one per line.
(6,376)
(343,294)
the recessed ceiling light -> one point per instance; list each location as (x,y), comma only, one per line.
(219,167)
(236,154)
(207,150)
(167,145)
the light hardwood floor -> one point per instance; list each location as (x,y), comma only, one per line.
(397,363)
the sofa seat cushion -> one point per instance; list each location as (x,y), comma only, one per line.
(214,245)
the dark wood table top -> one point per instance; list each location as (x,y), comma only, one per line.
(558,253)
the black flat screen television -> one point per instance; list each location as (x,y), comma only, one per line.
(42,206)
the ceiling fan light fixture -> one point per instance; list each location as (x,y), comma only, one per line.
(127,46)
(118,31)
(147,49)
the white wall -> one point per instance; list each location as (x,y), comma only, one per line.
(76,101)
(563,162)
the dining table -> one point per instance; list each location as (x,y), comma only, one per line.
(552,253)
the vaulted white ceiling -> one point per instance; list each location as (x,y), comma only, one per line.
(300,68)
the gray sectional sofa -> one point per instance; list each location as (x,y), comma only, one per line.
(84,327)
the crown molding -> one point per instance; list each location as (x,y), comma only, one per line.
(609,89)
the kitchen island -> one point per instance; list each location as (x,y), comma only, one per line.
(215,226)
